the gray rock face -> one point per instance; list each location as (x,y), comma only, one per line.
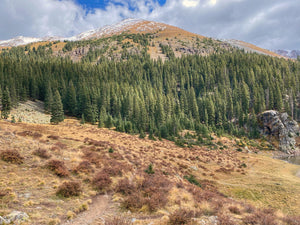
(282,127)
(15,217)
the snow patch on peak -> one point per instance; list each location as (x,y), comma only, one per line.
(117,28)
(20,40)
(130,24)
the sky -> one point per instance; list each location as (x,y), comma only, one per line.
(271,24)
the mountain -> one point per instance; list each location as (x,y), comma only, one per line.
(139,26)
(292,54)
(161,126)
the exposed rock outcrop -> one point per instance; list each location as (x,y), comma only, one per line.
(281,127)
(15,217)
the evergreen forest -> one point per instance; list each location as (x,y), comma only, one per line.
(221,92)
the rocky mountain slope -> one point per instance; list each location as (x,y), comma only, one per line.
(293,54)
(138,26)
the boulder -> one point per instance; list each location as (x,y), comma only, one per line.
(17,217)
(282,127)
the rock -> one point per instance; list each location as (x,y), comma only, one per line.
(17,216)
(207,220)
(282,127)
(3,221)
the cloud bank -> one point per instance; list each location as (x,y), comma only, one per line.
(272,24)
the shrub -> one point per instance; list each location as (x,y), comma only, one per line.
(58,167)
(225,220)
(114,170)
(68,189)
(42,153)
(111,150)
(292,220)
(54,137)
(101,180)
(133,201)
(150,170)
(181,216)
(84,167)
(234,209)
(118,221)
(260,218)
(191,178)
(92,157)
(125,187)
(11,156)
(151,194)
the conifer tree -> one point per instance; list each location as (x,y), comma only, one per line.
(6,103)
(57,112)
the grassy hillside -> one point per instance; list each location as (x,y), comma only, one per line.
(120,173)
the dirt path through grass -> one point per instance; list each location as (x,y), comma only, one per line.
(98,207)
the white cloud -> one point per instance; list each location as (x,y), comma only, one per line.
(190,3)
(270,24)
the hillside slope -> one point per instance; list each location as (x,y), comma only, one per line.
(217,181)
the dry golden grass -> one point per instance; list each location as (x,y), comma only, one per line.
(32,188)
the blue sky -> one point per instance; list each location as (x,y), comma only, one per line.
(271,24)
(92,4)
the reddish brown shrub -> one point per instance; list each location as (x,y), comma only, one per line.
(118,221)
(125,187)
(3,193)
(30,133)
(225,220)
(113,171)
(292,220)
(92,157)
(53,137)
(11,156)
(68,189)
(249,208)
(181,216)
(156,201)
(58,167)
(133,201)
(101,181)
(60,145)
(260,218)
(234,209)
(84,167)
(43,153)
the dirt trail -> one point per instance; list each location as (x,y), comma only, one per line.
(99,206)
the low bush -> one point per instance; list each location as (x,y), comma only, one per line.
(234,209)
(292,220)
(117,221)
(92,157)
(191,178)
(11,156)
(69,189)
(125,187)
(101,181)
(181,216)
(151,193)
(58,167)
(260,217)
(150,170)
(225,220)
(84,167)
(42,153)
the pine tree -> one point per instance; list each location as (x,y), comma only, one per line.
(57,112)
(71,101)
(6,103)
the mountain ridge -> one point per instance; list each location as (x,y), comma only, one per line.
(134,26)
